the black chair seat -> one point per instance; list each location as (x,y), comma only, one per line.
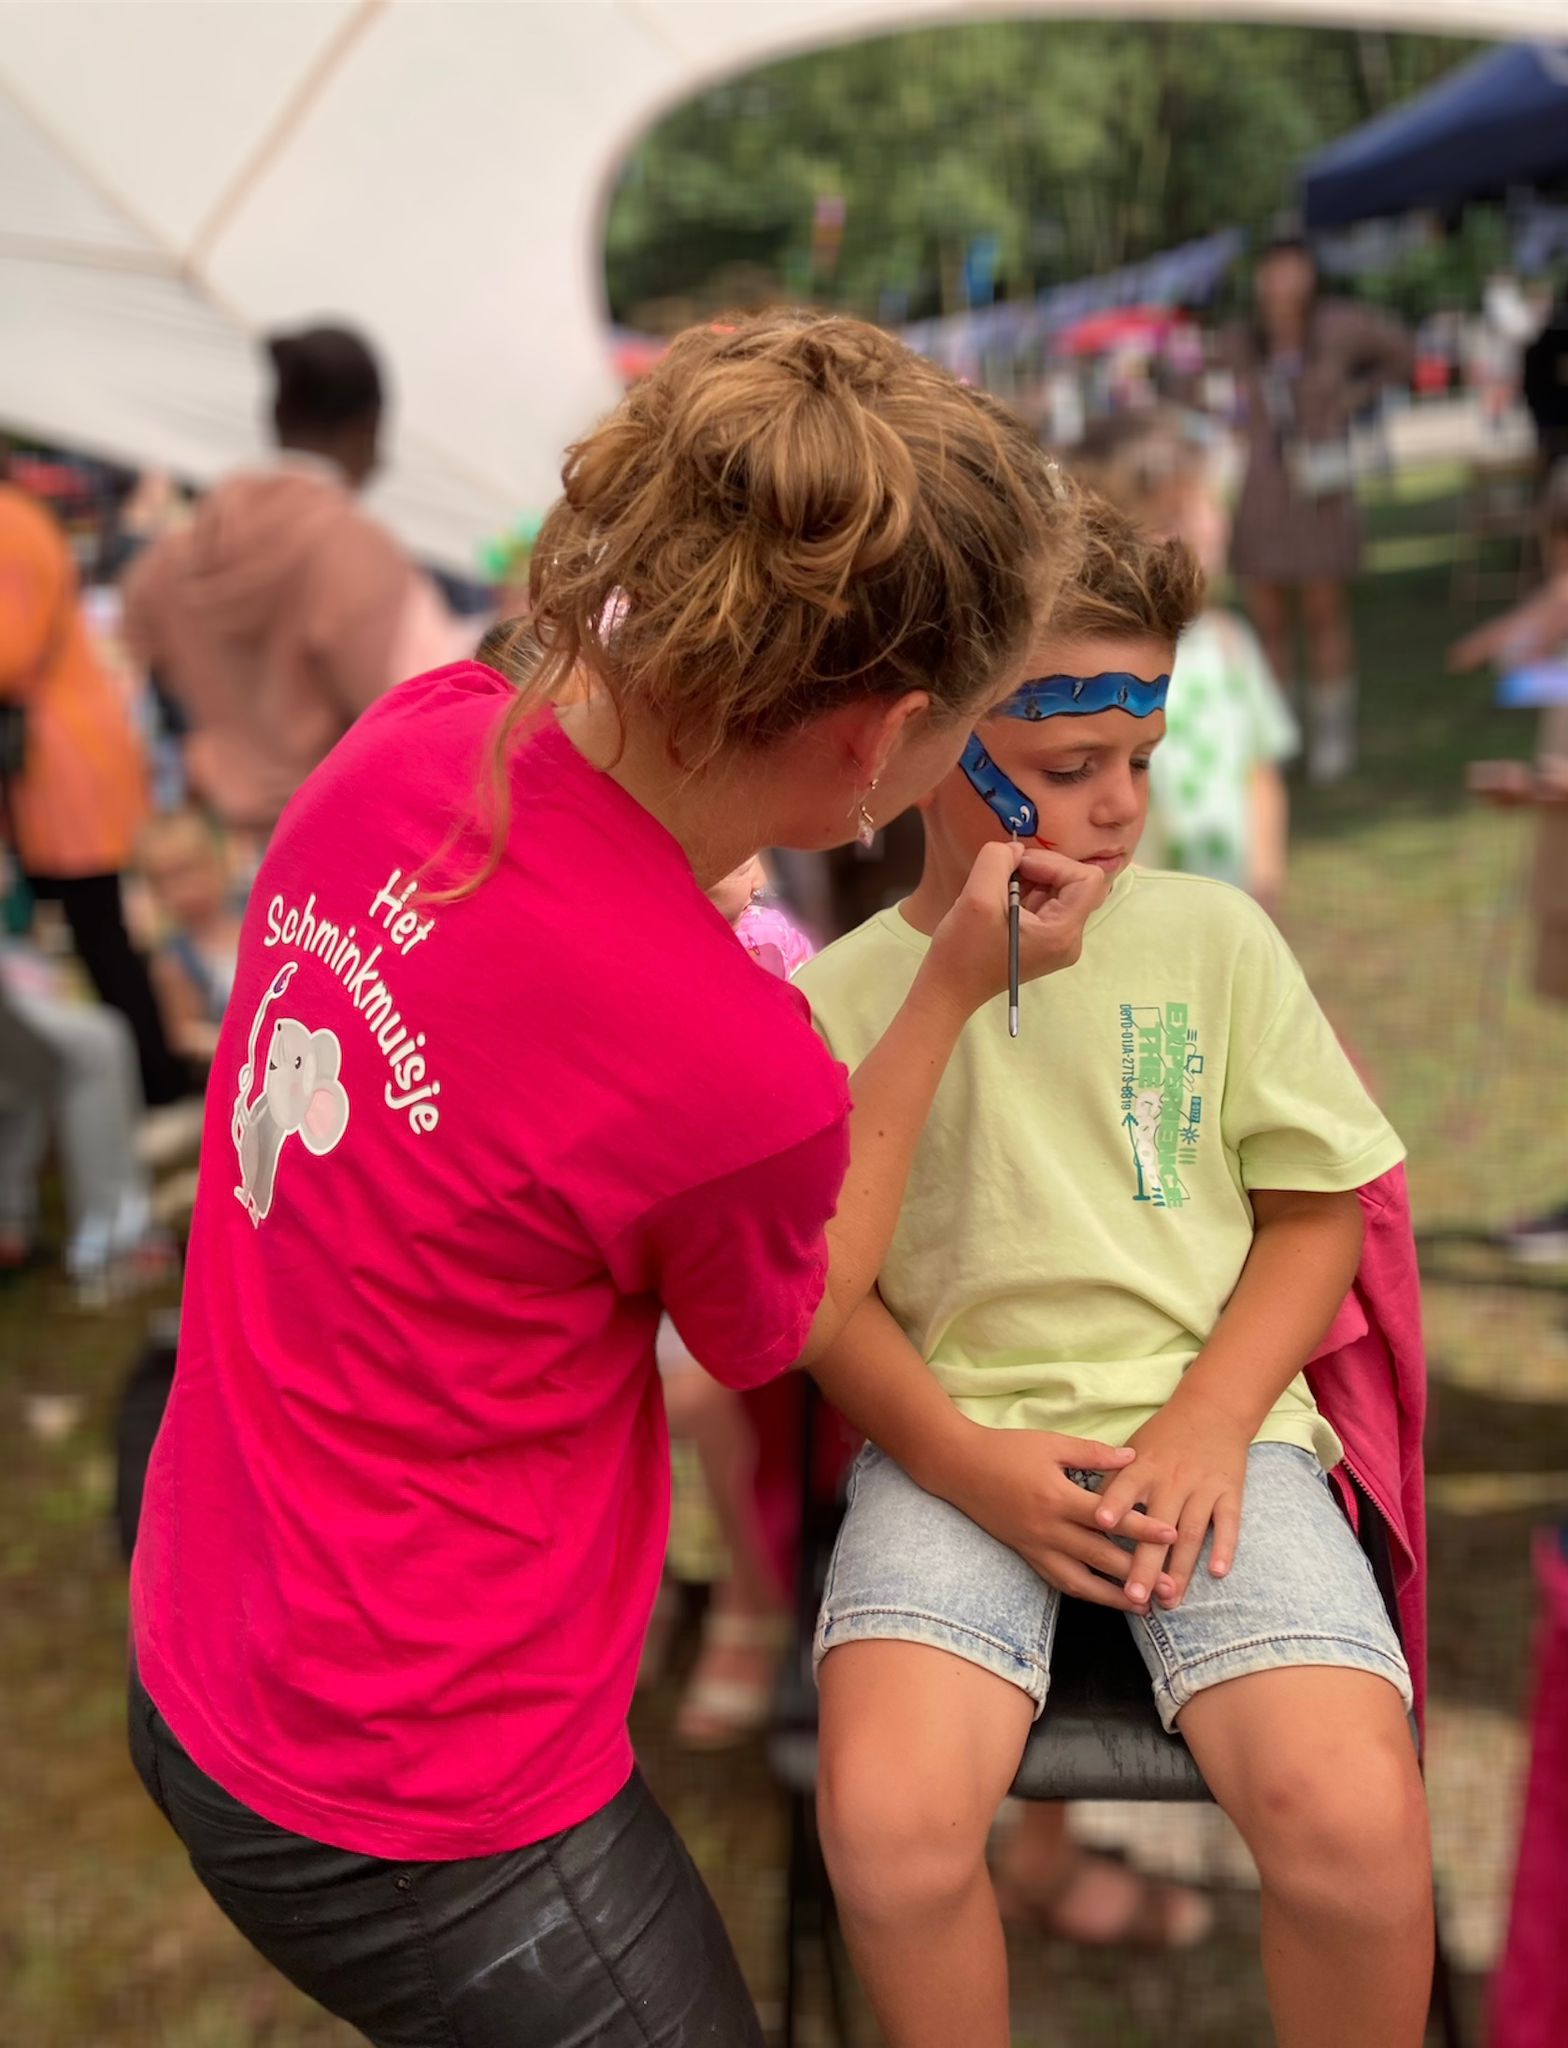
(1100,1736)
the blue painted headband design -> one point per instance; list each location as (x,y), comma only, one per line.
(1054,697)
(1083,696)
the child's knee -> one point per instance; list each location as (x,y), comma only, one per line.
(897,1845)
(1343,1834)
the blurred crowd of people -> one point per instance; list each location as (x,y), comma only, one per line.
(151,731)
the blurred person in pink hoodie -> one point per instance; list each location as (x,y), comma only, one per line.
(284,609)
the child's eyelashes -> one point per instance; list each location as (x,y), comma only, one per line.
(1063,776)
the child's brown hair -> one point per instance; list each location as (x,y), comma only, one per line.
(1129,585)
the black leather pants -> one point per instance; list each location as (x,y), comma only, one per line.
(603,1934)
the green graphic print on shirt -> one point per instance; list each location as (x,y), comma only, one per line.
(1161,1102)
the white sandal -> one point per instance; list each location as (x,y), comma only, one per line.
(719,1713)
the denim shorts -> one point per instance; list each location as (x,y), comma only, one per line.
(909,1567)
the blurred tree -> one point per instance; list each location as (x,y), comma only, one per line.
(1077,146)
(1448,270)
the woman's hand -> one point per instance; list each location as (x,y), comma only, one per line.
(969,950)
(1190,1470)
(1528,633)
(1014,1484)
(1475,648)
(1508,784)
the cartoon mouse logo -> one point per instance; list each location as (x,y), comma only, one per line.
(300,1093)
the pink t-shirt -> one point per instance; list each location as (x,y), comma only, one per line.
(406,1516)
(774,940)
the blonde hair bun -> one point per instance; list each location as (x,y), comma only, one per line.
(796,511)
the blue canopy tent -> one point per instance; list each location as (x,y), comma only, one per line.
(1496,123)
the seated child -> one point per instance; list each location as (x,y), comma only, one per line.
(1134,1223)
(746,1627)
(1218,804)
(81,1091)
(183,865)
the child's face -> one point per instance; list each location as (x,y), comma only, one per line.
(1283,284)
(1088,777)
(739,890)
(1194,511)
(183,867)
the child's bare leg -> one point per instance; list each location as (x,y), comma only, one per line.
(1331,708)
(1316,1767)
(747,1627)
(918,1750)
(1040,1855)
(1268,606)
(1331,648)
(1048,1879)
(716,1422)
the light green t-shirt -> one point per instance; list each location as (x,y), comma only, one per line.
(1078,1214)
(1224,718)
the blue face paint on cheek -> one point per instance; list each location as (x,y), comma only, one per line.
(997,792)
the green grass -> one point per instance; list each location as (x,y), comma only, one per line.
(1403,906)
(1433,481)
(1406,907)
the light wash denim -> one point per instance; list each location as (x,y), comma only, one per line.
(910,1567)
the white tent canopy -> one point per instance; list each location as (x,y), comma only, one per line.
(177,176)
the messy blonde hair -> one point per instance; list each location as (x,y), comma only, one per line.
(1137,459)
(789,513)
(1128,584)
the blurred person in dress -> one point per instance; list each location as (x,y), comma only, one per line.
(1306,366)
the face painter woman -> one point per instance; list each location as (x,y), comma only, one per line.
(404,1523)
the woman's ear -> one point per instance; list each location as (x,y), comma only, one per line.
(874,731)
